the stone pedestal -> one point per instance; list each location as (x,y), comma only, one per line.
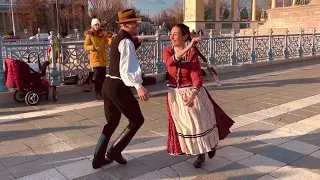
(294,17)
(314,2)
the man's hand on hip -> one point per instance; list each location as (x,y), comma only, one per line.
(143,94)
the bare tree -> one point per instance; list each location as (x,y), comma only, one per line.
(106,11)
(72,15)
(171,16)
(163,18)
(33,14)
(159,18)
(177,12)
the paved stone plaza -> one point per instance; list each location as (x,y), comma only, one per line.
(276,135)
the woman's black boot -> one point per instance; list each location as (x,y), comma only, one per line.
(199,161)
(212,153)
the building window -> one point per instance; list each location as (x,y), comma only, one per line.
(244,25)
(227,26)
(209,26)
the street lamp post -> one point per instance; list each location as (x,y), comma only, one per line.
(184,6)
(12,17)
(57,9)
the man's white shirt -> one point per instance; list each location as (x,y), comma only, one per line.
(129,67)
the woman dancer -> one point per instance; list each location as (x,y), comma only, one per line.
(196,122)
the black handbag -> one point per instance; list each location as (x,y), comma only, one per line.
(86,79)
(71,80)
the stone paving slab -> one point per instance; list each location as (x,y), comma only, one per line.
(133,169)
(50,173)
(77,169)
(237,171)
(253,146)
(29,168)
(62,143)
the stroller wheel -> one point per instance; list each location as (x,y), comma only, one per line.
(54,94)
(32,98)
(19,95)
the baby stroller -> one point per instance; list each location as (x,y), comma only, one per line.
(29,83)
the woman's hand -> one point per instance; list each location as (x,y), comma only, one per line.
(189,101)
(195,42)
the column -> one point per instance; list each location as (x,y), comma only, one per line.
(216,10)
(4,22)
(254,10)
(273,4)
(294,2)
(10,21)
(194,14)
(234,10)
(17,22)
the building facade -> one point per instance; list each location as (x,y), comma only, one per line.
(5,18)
(78,19)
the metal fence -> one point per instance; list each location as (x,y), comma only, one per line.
(220,51)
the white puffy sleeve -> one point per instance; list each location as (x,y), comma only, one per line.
(130,71)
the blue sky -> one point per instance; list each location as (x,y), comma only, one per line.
(154,6)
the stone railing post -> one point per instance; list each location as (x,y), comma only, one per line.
(313,51)
(233,48)
(211,58)
(286,50)
(38,35)
(75,32)
(54,70)
(3,87)
(300,43)
(270,53)
(159,63)
(253,48)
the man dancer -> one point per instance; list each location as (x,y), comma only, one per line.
(124,72)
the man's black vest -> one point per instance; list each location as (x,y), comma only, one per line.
(115,54)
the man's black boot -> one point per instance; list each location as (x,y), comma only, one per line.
(99,158)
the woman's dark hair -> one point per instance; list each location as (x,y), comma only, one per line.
(185,31)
